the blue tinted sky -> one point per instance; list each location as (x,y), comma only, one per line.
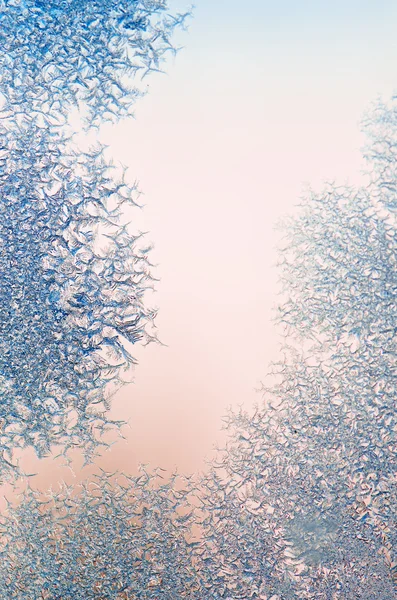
(265,97)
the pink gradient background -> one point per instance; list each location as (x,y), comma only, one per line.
(261,101)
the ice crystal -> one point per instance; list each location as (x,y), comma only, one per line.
(68,308)
(115,537)
(302,502)
(58,55)
(72,273)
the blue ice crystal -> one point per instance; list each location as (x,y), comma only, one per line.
(57,55)
(301,503)
(72,273)
(115,537)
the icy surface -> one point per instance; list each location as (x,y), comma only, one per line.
(72,272)
(114,537)
(302,501)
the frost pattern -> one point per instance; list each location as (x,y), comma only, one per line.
(72,273)
(56,55)
(116,537)
(302,502)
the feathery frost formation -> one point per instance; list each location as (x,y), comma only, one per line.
(72,273)
(303,502)
(69,308)
(56,55)
(116,537)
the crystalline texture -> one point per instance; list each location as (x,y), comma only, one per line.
(116,537)
(72,274)
(302,503)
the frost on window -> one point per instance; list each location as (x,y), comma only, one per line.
(56,55)
(73,274)
(302,502)
(114,537)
